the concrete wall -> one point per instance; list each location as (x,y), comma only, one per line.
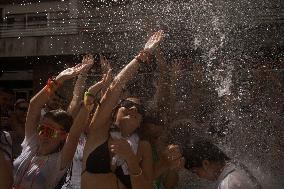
(115,29)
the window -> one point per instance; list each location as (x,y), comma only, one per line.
(100,3)
(36,20)
(16,21)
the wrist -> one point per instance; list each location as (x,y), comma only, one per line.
(143,56)
(133,165)
(83,76)
(58,80)
(131,158)
(51,85)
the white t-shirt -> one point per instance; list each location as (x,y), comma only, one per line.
(37,172)
(235,177)
(75,180)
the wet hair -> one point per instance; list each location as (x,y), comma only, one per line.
(61,117)
(198,150)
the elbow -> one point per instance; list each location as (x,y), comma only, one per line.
(32,103)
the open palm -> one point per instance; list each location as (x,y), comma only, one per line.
(88,60)
(71,72)
(154,41)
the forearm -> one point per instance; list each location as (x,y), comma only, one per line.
(126,74)
(71,143)
(40,99)
(137,176)
(77,95)
(79,122)
(110,99)
(35,106)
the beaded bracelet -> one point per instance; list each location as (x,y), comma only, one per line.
(50,85)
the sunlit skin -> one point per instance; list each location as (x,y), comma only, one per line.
(50,145)
(209,170)
(128,119)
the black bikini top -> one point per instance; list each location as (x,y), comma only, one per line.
(98,162)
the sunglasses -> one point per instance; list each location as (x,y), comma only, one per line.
(49,131)
(23,109)
(128,104)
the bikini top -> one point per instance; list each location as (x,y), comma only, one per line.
(98,162)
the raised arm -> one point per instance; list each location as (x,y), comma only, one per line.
(80,121)
(42,97)
(102,116)
(79,87)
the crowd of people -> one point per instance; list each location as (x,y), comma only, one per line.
(106,138)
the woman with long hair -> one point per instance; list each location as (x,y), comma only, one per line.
(114,157)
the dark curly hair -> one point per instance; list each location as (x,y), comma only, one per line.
(61,117)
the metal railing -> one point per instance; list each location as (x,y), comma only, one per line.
(68,26)
(96,24)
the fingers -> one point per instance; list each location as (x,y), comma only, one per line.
(79,68)
(105,65)
(113,148)
(154,40)
(159,35)
(118,141)
(102,83)
(119,145)
(108,76)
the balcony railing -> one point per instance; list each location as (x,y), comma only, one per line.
(96,24)
(68,26)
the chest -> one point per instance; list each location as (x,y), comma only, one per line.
(35,172)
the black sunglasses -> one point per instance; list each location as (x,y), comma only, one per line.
(128,104)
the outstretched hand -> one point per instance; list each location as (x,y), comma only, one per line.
(96,88)
(106,79)
(154,41)
(71,72)
(88,60)
(105,65)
